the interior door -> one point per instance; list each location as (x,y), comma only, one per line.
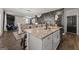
(71,24)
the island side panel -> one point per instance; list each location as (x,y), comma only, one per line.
(35,43)
(52,41)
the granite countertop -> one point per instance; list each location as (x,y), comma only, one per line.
(41,33)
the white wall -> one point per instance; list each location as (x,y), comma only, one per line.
(19,19)
(1,21)
(78,22)
(5,23)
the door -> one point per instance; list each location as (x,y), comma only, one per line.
(71,24)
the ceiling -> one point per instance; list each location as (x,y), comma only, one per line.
(31,12)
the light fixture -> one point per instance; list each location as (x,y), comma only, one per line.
(39,15)
(36,23)
(29,10)
(56,17)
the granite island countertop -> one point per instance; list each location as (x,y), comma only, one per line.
(41,33)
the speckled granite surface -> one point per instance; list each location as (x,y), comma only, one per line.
(41,32)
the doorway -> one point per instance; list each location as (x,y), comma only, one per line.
(10,22)
(10,19)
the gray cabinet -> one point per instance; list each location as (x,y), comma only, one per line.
(35,43)
(55,39)
(47,43)
(50,42)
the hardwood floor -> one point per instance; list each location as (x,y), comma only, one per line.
(8,42)
(70,42)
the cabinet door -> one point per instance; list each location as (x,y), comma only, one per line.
(55,39)
(47,43)
(35,43)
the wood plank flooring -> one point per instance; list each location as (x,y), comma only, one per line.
(70,42)
(9,42)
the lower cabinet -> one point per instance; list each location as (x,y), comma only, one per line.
(47,43)
(35,43)
(50,42)
(55,39)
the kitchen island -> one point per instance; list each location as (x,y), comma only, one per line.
(43,39)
